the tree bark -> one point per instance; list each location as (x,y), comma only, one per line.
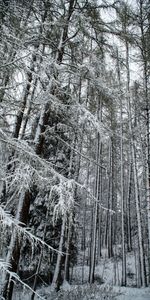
(13,255)
(55,281)
(137,196)
(95,211)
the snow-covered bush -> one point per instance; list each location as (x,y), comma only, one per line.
(87,292)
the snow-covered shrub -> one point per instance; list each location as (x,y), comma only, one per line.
(87,292)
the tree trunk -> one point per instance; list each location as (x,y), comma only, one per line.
(67,258)
(129,237)
(124,279)
(95,211)
(55,281)
(137,196)
(110,203)
(144,52)
(13,255)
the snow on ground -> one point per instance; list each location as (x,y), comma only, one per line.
(98,292)
(106,286)
(87,292)
(108,271)
(132,293)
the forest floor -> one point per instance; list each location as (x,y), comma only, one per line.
(133,293)
(107,283)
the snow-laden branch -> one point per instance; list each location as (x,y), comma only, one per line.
(5,268)
(95,199)
(45,165)
(65,192)
(14,61)
(81,154)
(7,220)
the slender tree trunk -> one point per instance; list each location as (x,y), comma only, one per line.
(129,237)
(100,213)
(84,223)
(137,196)
(99,229)
(20,114)
(122,205)
(144,50)
(70,227)
(110,200)
(13,255)
(105,240)
(95,216)
(67,258)
(122,183)
(55,281)
(41,257)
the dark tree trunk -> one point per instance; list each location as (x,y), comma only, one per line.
(15,246)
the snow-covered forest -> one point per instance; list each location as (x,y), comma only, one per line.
(74,149)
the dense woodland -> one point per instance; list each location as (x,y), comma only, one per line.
(74,142)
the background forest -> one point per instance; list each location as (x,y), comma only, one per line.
(74,148)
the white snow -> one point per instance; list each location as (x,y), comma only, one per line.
(132,293)
(98,291)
